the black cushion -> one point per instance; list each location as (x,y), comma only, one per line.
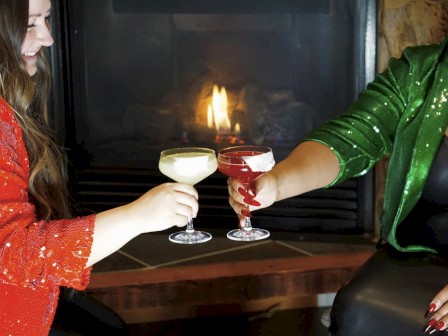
(389,295)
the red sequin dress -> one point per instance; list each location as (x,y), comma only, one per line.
(36,257)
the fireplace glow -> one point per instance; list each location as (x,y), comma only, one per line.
(220,109)
(218,117)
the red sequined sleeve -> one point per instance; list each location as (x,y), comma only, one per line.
(35,253)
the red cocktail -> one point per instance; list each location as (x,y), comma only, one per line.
(246,163)
(234,166)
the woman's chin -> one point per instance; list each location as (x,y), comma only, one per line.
(31,70)
(30,65)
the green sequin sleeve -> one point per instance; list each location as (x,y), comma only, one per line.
(366,132)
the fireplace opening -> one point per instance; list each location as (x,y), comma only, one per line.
(147,75)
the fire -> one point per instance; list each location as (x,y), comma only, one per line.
(218,117)
(217,110)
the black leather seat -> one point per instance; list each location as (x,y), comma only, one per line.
(389,295)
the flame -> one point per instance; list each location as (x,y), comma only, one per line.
(217,111)
(210,116)
(218,118)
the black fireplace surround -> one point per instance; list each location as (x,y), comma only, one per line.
(134,77)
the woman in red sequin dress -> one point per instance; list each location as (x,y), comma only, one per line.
(41,247)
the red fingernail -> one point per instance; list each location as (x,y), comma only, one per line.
(250,201)
(430,310)
(439,325)
(246,213)
(243,192)
(430,324)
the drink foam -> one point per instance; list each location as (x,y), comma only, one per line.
(190,165)
(260,162)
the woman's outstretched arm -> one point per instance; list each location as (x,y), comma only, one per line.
(311,165)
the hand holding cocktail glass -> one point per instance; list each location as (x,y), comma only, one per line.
(188,165)
(246,163)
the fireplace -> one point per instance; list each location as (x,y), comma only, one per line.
(147,75)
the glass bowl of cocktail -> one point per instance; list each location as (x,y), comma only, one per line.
(246,163)
(188,165)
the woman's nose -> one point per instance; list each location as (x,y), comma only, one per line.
(45,37)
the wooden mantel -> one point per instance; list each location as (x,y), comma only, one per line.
(179,292)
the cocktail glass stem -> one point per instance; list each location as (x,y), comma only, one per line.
(190,235)
(247,224)
(189,228)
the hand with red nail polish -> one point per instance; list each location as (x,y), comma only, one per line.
(264,189)
(434,326)
(438,312)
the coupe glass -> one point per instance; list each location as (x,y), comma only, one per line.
(246,163)
(188,165)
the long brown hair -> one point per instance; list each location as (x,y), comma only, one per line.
(29,97)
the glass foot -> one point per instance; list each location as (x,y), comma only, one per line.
(248,235)
(195,237)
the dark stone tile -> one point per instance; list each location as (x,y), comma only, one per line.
(314,243)
(155,248)
(314,248)
(265,250)
(333,238)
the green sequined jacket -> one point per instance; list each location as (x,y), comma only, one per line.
(402,114)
